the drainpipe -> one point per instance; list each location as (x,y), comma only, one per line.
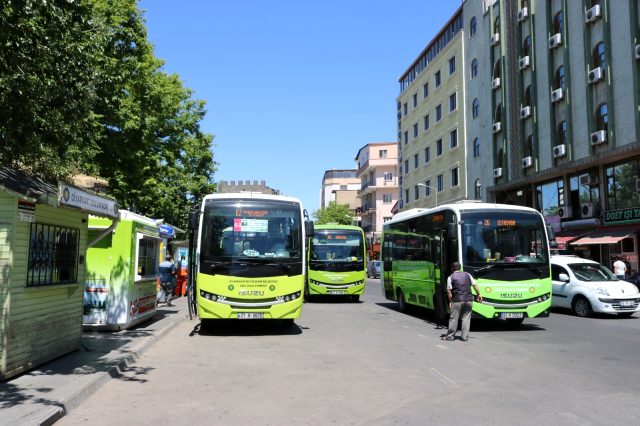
(114,223)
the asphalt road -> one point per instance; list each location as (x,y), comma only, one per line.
(368,364)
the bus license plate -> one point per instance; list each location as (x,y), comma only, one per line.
(336,291)
(250,315)
(507,315)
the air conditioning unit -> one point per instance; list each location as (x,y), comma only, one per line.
(495,39)
(586,209)
(555,41)
(598,137)
(525,112)
(564,212)
(496,127)
(638,51)
(524,62)
(523,14)
(559,151)
(595,75)
(497,173)
(587,180)
(527,162)
(593,14)
(495,83)
(557,95)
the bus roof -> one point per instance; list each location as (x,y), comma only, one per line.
(337,226)
(250,196)
(464,205)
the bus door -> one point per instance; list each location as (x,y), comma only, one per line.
(449,254)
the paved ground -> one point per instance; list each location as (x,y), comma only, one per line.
(44,395)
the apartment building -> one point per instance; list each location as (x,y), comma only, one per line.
(246,186)
(341,186)
(432,148)
(553,96)
(377,166)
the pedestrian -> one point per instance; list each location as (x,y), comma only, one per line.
(167,275)
(619,268)
(460,297)
(181,272)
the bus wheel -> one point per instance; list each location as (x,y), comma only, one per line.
(402,306)
(582,307)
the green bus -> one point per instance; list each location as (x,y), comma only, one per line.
(504,247)
(337,261)
(250,260)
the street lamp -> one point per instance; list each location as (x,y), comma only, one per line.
(430,187)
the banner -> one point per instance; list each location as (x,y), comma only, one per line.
(74,197)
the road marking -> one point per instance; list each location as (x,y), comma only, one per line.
(444,379)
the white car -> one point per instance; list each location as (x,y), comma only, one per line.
(585,287)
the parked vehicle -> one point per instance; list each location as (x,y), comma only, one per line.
(585,287)
(373,268)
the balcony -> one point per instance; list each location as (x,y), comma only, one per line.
(379,184)
(373,163)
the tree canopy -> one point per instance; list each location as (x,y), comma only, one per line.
(334,213)
(82,92)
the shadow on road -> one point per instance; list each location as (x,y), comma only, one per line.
(224,327)
(567,312)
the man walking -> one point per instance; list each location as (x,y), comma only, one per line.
(619,268)
(167,273)
(460,301)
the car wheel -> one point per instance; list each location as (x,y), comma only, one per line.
(582,307)
(402,305)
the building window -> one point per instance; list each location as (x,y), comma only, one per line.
(563,133)
(496,24)
(427,154)
(602,117)
(406,138)
(600,57)
(560,80)
(453,138)
(453,102)
(452,65)
(425,90)
(529,148)
(527,96)
(472,26)
(406,166)
(416,161)
(474,68)
(438,147)
(415,100)
(478,187)
(426,122)
(438,79)
(406,196)
(475,108)
(496,69)
(416,192)
(440,183)
(386,198)
(498,115)
(621,185)
(405,108)
(454,177)
(476,147)
(427,189)
(526,46)
(382,153)
(438,112)
(558,23)
(53,255)
(388,176)
(415,130)
(387,218)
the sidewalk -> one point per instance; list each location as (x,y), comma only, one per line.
(45,394)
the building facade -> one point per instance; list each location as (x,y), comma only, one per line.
(340,186)
(377,171)
(432,148)
(226,187)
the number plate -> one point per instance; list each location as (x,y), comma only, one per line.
(507,315)
(250,315)
(336,292)
(626,303)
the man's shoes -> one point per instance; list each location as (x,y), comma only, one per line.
(169,304)
(447,338)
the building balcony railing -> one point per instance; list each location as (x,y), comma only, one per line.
(373,187)
(371,164)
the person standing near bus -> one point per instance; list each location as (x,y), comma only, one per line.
(460,297)
(619,268)
(181,287)
(167,278)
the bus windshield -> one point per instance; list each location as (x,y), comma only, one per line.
(503,238)
(337,250)
(250,232)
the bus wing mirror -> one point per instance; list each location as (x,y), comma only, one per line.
(551,234)
(452,231)
(309,228)
(193,220)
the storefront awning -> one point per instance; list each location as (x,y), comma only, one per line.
(563,238)
(605,236)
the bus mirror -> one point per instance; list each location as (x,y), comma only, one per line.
(452,231)
(193,220)
(551,234)
(309,228)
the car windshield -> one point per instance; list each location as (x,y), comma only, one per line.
(592,272)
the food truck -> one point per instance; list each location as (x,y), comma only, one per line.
(122,270)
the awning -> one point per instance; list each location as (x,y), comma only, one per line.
(605,236)
(563,238)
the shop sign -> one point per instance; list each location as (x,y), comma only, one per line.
(166,231)
(26,211)
(74,197)
(622,215)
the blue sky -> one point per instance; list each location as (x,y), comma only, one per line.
(293,88)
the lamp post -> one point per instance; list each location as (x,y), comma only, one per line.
(430,187)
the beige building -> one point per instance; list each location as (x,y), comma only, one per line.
(341,186)
(431,123)
(225,187)
(377,166)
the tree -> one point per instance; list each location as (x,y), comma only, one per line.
(334,213)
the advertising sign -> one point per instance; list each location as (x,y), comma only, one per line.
(74,197)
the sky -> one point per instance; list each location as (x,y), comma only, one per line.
(293,87)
